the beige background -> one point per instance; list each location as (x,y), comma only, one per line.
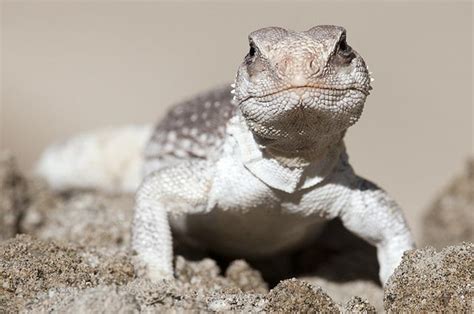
(71,67)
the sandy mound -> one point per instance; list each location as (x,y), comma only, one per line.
(29,266)
(431,281)
(298,296)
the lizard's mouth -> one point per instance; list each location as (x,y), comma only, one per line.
(304,109)
(333,90)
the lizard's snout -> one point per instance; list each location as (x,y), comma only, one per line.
(298,71)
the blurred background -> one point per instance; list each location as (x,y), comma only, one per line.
(69,67)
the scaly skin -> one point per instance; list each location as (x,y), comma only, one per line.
(260,173)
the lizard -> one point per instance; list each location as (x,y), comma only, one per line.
(258,168)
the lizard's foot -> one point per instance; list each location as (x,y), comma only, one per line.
(153,267)
(390,256)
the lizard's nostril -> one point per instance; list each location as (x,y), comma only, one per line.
(282,66)
(313,65)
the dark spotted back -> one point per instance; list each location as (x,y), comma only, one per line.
(192,129)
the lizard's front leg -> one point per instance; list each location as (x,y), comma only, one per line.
(374,216)
(178,189)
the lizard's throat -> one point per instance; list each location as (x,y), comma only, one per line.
(302,152)
(282,170)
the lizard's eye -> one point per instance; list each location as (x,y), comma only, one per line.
(344,50)
(343,45)
(252,52)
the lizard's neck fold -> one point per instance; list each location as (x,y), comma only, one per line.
(295,157)
(284,169)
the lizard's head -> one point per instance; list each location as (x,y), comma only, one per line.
(294,84)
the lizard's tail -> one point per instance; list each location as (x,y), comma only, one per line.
(109,159)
